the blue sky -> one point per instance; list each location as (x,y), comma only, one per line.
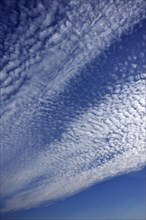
(118,198)
(73,106)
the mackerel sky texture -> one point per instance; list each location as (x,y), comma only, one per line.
(72,96)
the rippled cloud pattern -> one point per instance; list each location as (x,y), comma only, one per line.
(72,96)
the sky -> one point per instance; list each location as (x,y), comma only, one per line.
(118,198)
(72,77)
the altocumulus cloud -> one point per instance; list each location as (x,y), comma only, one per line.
(66,121)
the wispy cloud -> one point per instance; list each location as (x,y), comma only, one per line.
(83,30)
(107,140)
(49,46)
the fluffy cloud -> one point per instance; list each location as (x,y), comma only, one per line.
(56,141)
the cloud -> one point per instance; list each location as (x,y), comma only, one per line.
(58,140)
(83,30)
(102,143)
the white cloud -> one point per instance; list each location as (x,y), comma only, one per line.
(83,31)
(101,143)
(104,140)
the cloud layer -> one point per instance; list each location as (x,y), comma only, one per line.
(70,115)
